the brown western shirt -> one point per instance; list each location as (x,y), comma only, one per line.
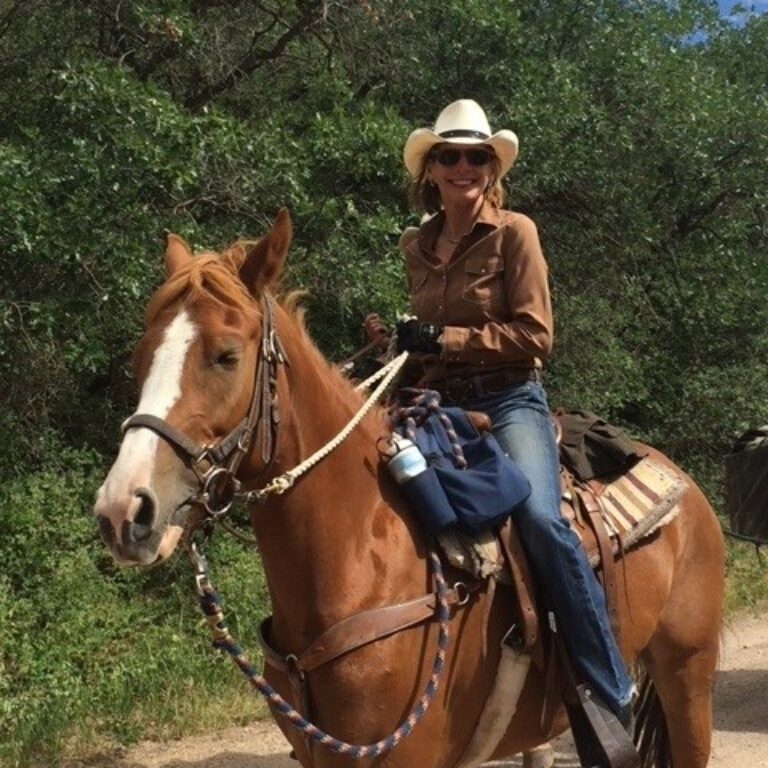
(492,297)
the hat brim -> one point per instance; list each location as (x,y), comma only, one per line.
(418,144)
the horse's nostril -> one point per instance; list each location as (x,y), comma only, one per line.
(106,530)
(145,515)
(140,528)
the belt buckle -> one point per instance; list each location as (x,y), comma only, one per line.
(455,392)
(475,385)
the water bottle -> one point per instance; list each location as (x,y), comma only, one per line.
(423,491)
(404,460)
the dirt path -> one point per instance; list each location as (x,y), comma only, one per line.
(740,741)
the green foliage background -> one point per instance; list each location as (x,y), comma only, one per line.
(643,129)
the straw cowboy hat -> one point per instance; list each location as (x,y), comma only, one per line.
(461,122)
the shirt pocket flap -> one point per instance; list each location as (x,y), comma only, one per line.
(483,264)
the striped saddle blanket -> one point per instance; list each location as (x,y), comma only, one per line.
(631,506)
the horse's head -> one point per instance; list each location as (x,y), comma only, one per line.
(196,368)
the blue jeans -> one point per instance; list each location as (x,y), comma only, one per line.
(564,578)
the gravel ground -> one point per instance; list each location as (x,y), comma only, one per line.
(740,739)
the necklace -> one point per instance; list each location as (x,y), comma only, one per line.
(456,241)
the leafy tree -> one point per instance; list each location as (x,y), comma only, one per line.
(643,145)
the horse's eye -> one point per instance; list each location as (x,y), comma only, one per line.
(227,359)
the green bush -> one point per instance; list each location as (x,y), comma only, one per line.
(95,654)
(642,159)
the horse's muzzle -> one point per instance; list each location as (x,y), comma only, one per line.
(138,541)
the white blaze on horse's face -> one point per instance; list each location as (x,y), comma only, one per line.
(162,387)
(127,501)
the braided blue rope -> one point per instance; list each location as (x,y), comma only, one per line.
(422,403)
(223,640)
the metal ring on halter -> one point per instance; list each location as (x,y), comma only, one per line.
(292,662)
(462,592)
(218,497)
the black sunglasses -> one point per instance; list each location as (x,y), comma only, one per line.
(449,157)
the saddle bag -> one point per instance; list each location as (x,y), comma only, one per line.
(474,497)
(746,485)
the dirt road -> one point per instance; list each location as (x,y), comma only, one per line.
(740,741)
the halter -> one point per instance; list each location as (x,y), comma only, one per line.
(219,487)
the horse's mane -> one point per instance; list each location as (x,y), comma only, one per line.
(291,304)
(217,275)
(214,274)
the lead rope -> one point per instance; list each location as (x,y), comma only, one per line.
(223,641)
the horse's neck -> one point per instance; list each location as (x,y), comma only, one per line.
(333,544)
(315,404)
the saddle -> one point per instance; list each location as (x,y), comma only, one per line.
(613,496)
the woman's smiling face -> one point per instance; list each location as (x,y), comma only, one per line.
(462,173)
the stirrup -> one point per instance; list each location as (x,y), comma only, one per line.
(602,730)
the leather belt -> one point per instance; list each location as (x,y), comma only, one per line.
(456,391)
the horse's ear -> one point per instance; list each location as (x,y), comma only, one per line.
(177,253)
(264,261)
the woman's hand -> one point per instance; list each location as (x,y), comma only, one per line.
(376,331)
(415,336)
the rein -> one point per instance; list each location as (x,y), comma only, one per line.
(283,482)
(224,641)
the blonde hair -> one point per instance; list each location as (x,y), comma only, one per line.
(424,195)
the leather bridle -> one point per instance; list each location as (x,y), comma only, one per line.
(216,466)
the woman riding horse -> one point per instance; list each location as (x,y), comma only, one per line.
(478,286)
(232,387)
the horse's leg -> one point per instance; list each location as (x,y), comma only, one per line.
(682,654)
(683,680)
(542,756)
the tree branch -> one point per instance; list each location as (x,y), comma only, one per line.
(256,58)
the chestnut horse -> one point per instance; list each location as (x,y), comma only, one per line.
(340,540)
